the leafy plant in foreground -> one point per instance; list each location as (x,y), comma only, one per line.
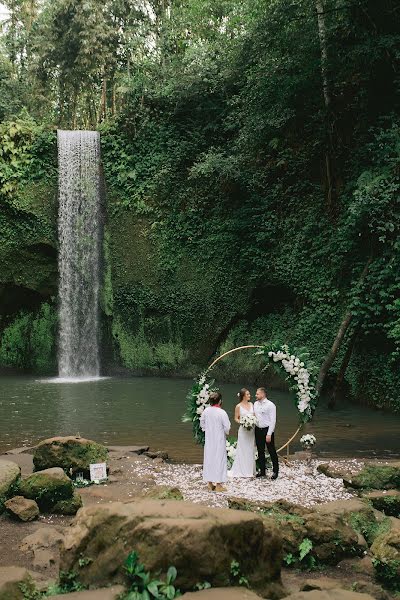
(143,587)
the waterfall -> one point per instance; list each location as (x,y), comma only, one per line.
(80,236)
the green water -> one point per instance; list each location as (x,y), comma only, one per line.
(137,410)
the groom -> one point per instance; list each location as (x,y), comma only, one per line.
(265,411)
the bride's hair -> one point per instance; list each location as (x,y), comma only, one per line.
(242,394)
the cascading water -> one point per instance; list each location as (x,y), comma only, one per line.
(80,235)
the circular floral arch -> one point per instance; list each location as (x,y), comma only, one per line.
(287,364)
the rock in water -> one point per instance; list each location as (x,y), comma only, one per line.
(22,508)
(73,453)
(200,542)
(9,475)
(47,487)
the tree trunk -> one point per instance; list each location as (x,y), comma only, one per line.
(329,156)
(342,370)
(330,357)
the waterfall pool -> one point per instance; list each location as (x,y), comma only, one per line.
(148,410)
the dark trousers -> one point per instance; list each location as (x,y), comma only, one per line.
(261,442)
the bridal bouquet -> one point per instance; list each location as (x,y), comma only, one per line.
(308,441)
(248,422)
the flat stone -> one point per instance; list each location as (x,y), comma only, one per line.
(110,593)
(22,508)
(345,507)
(22,450)
(224,593)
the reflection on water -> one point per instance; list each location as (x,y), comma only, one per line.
(149,410)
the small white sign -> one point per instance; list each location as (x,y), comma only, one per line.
(98,472)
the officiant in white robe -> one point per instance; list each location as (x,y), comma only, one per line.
(216,425)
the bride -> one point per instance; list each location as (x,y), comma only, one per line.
(244,464)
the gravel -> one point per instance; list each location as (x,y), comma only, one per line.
(298,482)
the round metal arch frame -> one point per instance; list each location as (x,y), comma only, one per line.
(254,347)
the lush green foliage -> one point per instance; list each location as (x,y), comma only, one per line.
(252,169)
(28,342)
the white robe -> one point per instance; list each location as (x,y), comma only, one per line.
(215,423)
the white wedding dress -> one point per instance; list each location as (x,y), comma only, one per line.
(244,464)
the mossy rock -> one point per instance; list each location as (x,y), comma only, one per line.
(331,535)
(386,553)
(47,488)
(74,454)
(70,506)
(376,477)
(164,492)
(387,502)
(9,477)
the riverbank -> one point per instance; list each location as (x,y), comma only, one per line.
(137,474)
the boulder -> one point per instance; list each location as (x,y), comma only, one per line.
(163,492)
(333,594)
(47,487)
(69,453)
(110,593)
(10,580)
(387,501)
(376,477)
(228,593)
(9,475)
(332,537)
(22,508)
(69,506)
(355,513)
(199,541)
(386,552)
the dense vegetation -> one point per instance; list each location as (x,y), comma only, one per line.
(251,152)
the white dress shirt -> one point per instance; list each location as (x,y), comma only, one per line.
(265,411)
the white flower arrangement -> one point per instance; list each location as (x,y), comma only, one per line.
(231,451)
(296,369)
(248,422)
(308,441)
